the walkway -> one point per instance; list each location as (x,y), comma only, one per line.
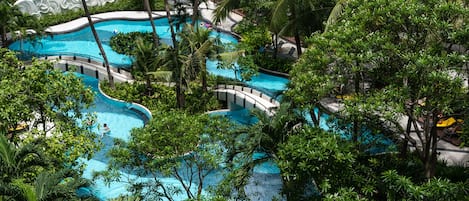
(247,97)
(453,155)
(227,25)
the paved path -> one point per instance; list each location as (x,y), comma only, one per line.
(448,152)
(247,97)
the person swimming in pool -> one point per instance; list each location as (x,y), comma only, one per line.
(106,130)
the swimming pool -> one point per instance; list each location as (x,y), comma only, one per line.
(264,184)
(81,43)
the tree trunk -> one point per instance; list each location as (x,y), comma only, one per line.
(180,96)
(298,43)
(100,46)
(405,142)
(275,46)
(430,163)
(204,79)
(313,117)
(4,36)
(195,13)
(297,33)
(147,5)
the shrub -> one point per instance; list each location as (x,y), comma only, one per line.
(124,43)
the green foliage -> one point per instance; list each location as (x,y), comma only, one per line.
(125,43)
(174,144)
(279,64)
(319,155)
(163,97)
(19,162)
(388,62)
(253,37)
(26,174)
(402,188)
(345,194)
(200,100)
(12,21)
(51,102)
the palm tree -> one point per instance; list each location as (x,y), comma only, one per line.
(48,186)
(265,136)
(178,71)
(146,60)
(14,162)
(8,19)
(100,46)
(146,4)
(197,46)
(17,23)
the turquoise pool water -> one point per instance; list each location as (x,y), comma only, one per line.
(121,120)
(81,43)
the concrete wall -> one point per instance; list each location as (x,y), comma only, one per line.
(39,7)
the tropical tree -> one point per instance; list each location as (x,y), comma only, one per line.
(100,46)
(402,188)
(17,162)
(178,71)
(16,23)
(61,185)
(287,18)
(317,160)
(390,64)
(48,104)
(146,60)
(23,176)
(262,136)
(197,46)
(176,145)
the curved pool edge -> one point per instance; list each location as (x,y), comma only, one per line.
(274,73)
(130,105)
(82,22)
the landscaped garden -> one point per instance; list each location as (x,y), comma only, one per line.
(374,107)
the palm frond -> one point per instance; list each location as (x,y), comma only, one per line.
(279,16)
(6,152)
(335,13)
(231,57)
(224,8)
(162,75)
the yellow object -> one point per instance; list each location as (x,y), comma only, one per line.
(19,127)
(344,97)
(446,123)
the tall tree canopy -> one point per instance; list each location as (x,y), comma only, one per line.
(50,103)
(390,57)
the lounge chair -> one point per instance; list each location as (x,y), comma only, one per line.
(292,50)
(444,123)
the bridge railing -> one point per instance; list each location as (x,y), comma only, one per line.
(101,65)
(244,100)
(249,90)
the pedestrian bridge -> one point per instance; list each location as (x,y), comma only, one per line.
(246,97)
